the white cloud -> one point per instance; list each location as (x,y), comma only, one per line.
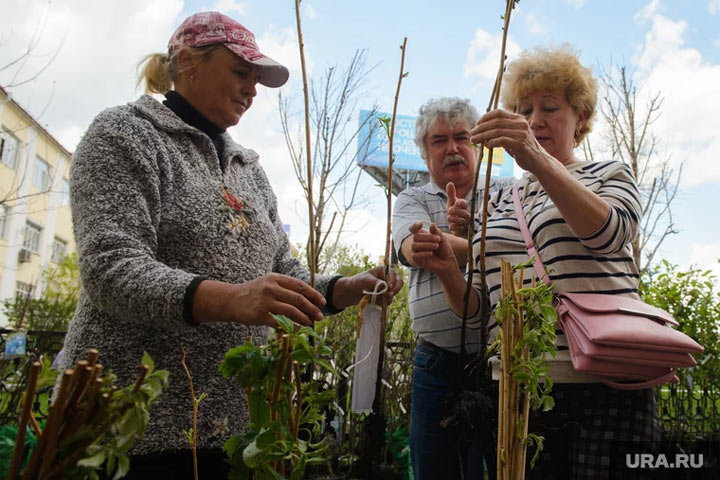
(713,7)
(716,42)
(576,4)
(95,69)
(310,12)
(483,55)
(705,256)
(534,24)
(229,6)
(282,46)
(688,83)
(100,45)
(647,11)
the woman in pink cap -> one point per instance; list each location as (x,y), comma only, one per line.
(180,242)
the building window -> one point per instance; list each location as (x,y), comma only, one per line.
(64,192)
(4,220)
(59,247)
(31,241)
(9,149)
(41,175)
(24,290)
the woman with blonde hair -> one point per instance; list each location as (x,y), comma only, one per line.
(582,216)
(180,242)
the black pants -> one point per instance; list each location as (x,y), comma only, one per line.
(177,465)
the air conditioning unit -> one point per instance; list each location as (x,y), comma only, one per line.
(24,255)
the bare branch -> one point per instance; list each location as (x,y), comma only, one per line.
(631,140)
(337,148)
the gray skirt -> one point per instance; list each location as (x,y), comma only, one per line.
(591,430)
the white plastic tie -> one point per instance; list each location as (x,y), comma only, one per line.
(348,369)
(381,287)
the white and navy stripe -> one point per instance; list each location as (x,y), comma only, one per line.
(600,263)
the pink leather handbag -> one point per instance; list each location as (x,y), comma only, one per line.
(616,338)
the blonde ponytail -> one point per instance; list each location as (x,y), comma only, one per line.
(160,72)
(155,73)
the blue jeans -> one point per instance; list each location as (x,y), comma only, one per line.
(434,450)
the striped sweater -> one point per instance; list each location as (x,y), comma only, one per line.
(599,263)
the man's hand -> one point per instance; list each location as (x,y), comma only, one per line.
(431,250)
(458,212)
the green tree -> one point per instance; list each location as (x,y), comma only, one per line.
(692,296)
(55,308)
(690,408)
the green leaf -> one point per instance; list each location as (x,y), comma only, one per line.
(232,444)
(259,408)
(123,467)
(110,464)
(284,323)
(238,469)
(268,473)
(253,456)
(302,445)
(265,439)
(548,312)
(147,360)
(325,365)
(95,461)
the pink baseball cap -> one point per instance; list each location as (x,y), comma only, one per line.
(209,28)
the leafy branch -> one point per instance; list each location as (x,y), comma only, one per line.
(484,303)
(92,423)
(285,412)
(377,402)
(192,434)
(527,336)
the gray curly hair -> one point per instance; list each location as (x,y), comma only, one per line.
(452,109)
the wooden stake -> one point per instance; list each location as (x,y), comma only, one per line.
(279,371)
(45,451)
(311,216)
(298,399)
(25,415)
(377,401)
(494,98)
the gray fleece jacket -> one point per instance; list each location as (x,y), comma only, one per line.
(149,216)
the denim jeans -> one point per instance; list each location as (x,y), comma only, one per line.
(434,450)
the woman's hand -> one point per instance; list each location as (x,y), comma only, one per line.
(512,132)
(349,290)
(254,302)
(458,212)
(431,249)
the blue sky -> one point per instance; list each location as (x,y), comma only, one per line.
(674,46)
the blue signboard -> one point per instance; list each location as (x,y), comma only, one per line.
(407,155)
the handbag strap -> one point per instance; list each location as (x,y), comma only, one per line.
(529,244)
(667,378)
(541,273)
